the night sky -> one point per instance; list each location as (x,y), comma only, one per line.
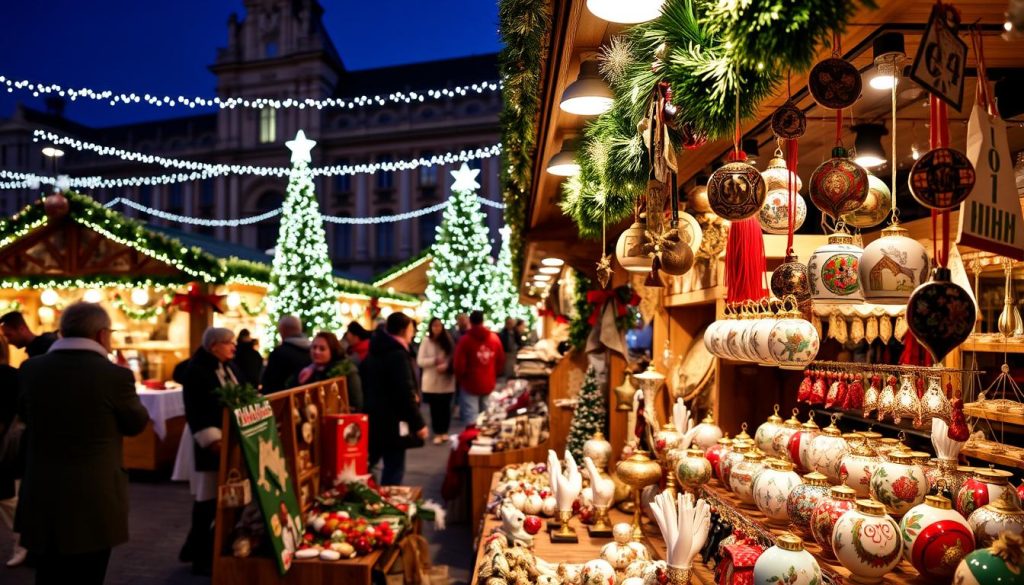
(164,47)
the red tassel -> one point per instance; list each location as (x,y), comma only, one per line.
(958,430)
(744,262)
(913,353)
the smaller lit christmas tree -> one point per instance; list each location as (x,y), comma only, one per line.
(507,294)
(590,415)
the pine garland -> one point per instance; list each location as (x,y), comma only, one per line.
(579,326)
(590,415)
(233,396)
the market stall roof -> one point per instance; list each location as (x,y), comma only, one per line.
(409,277)
(89,244)
(575,34)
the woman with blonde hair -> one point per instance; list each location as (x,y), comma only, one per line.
(10,459)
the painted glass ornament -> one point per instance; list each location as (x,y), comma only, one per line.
(707,433)
(765,433)
(892,267)
(772,487)
(942,178)
(714,455)
(876,206)
(787,562)
(935,538)
(991,520)
(1002,562)
(867,542)
(839,501)
(759,334)
(730,459)
(940,314)
(899,484)
(857,467)
(804,497)
(838,185)
(780,442)
(827,451)
(743,474)
(799,445)
(774,214)
(834,271)
(777,175)
(834,83)
(736,191)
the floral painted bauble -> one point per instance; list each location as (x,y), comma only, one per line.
(774,214)
(991,520)
(790,278)
(777,174)
(857,467)
(1000,563)
(707,433)
(942,178)
(730,459)
(985,487)
(838,185)
(780,443)
(940,314)
(834,271)
(597,572)
(693,470)
(899,484)
(765,433)
(799,446)
(714,455)
(935,537)
(876,207)
(758,336)
(787,563)
(633,248)
(793,341)
(736,191)
(892,266)
(827,450)
(840,500)
(772,488)
(867,542)
(804,497)
(742,475)
(834,83)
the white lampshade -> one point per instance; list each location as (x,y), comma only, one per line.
(552,262)
(626,11)
(589,95)
(564,163)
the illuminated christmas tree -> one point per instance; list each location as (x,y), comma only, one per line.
(461,276)
(507,293)
(301,281)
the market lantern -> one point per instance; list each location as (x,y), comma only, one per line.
(834,271)
(892,266)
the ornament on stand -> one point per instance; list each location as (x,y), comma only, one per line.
(638,472)
(566,489)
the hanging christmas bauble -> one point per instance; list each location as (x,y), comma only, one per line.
(892,267)
(774,214)
(675,252)
(736,191)
(790,278)
(834,83)
(940,314)
(833,271)
(689,229)
(633,250)
(55,205)
(838,185)
(697,199)
(942,178)
(777,174)
(789,121)
(876,206)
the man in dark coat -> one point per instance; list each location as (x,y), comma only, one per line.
(248,359)
(78,407)
(209,368)
(390,397)
(15,329)
(288,358)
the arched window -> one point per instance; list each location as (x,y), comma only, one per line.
(266,231)
(385,236)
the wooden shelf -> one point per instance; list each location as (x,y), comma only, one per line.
(992,346)
(999,459)
(994,415)
(704,296)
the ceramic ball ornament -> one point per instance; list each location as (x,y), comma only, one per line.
(940,314)
(867,542)
(829,510)
(942,178)
(1000,563)
(787,562)
(736,190)
(633,248)
(707,433)
(774,214)
(838,185)
(935,538)
(791,278)
(876,207)
(833,271)
(899,483)
(793,341)
(772,488)
(804,497)
(892,266)
(1001,516)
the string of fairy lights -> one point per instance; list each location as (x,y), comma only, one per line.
(116,98)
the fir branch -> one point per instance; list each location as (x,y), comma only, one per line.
(233,396)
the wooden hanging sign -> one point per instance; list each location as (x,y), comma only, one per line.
(942,57)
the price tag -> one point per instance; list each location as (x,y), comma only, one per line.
(942,57)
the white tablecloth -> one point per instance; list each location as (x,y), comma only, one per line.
(162,405)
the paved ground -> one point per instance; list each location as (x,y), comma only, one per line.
(160,519)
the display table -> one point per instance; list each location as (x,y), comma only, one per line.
(590,548)
(156,446)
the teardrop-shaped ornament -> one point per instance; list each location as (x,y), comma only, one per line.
(940,314)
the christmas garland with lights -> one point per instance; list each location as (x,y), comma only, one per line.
(523,28)
(144,313)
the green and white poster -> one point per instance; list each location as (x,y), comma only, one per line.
(268,470)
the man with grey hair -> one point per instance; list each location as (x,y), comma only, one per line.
(288,358)
(78,406)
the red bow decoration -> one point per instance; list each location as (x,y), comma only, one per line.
(599,298)
(194,298)
(373,309)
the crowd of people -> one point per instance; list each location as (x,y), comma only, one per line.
(66,410)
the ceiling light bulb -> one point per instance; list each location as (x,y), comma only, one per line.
(92,296)
(589,95)
(233,301)
(552,262)
(140,296)
(869,161)
(49,297)
(625,11)
(868,145)
(889,55)
(549,270)
(542,277)
(915,153)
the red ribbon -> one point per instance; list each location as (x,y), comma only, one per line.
(939,138)
(599,298)
(194,298)
(791,161)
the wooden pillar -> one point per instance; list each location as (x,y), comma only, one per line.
(199,319)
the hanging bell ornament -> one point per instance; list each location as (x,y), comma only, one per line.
(940,314)
(790,278)
(632,248)
(876,206)
(835,83)
(942,179)
(838,185)
(736,190)
(1009,323)
(789,121)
